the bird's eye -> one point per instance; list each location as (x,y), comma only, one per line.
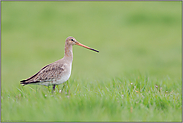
(72,39)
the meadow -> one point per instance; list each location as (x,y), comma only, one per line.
(136,76)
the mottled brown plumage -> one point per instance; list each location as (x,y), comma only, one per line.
(58,71)
(47,74)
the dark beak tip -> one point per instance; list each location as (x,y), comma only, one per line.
(95,50)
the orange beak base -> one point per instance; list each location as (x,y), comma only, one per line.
(79,44)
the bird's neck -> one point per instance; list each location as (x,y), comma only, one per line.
(68,52)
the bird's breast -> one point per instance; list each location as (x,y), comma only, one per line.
(64,76)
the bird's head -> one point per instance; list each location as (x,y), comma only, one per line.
(73,41)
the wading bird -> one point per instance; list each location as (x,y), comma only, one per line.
(57,72)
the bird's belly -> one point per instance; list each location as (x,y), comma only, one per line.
(63,79)
(57,82)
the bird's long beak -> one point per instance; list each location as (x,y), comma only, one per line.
(79,44)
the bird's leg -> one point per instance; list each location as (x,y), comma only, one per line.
(53,88)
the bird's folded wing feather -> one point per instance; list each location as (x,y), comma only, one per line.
(47,73)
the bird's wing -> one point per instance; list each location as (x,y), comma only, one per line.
(47,73)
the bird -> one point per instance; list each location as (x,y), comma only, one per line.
(59,71)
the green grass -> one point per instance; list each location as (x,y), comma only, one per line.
(136,76)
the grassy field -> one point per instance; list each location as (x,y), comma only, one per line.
(136,76)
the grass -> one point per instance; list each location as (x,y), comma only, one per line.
(135,77)
(114,100)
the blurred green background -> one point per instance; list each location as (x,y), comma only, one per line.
(132,37)
(142,36)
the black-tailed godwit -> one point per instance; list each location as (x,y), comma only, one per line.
(59,71)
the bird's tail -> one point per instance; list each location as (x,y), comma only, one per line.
(23,82)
